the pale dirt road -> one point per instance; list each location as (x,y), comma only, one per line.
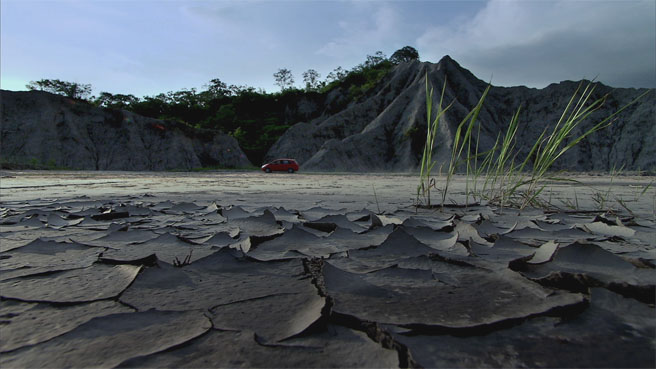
(386,192)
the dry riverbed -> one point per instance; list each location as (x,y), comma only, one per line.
(245,269)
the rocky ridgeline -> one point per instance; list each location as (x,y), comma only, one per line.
(42,129)
(386,130)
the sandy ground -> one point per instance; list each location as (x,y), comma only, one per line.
(246,269)
(352,191)
(251,188)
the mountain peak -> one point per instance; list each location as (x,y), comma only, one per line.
(385,131)
(447,60)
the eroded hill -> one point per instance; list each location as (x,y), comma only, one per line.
(40,129)
(386,129)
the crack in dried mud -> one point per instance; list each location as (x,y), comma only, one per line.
(315,287)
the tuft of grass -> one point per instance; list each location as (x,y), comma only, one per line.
(646,188)
(462,139)
(548,149)
(376,197)
(521,184)
(653,208)
(427,162)
(602,198)
(187,260)
(509,181)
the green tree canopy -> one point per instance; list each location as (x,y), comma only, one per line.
(254,117)
(374,60)
(119,101)
(217,88)
(311,79)
(337,74)
(284,78)
(404,54)
(73,90)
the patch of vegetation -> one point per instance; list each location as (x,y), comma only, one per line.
(255,118)
(427,162)
(507,179)
(363,78)
(32,164)
(71,90)
(363,81)
(186,261)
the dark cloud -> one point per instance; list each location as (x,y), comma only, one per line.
(537,44)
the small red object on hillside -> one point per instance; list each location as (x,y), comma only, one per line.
(281,165)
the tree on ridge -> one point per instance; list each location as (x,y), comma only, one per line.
(404,54)
(284,78)
(72,90)
(311,79)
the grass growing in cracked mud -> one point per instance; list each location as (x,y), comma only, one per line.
(507,180)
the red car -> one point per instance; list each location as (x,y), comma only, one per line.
(284,165)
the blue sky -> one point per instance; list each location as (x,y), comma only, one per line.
(147,47)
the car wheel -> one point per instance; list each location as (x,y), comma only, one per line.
(268,170)
(290,170)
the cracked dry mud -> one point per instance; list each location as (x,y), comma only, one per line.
(149,280)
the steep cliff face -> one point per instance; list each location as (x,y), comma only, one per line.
(385,131)
(46,128)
